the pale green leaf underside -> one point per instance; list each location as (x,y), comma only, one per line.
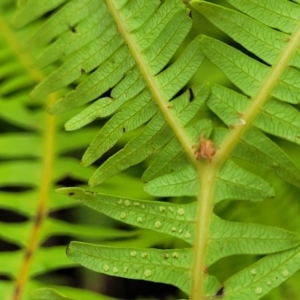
(275,117)
(140,110)
(233,183)
(172,266)
(261,40)
(111,64)
(153,38)
(174,219)
(257,280)
(283,15)
(257,148)
(247,73)
(226,238)
(172,157)
(168,266)
(230,238)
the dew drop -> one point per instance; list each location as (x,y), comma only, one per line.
(173,229)
(106,267)
(171,209)
(144,254)
(139,219)
(187,235)
(253,271)
(120,201)
(285,273)
(127,202)
(115,270)
(133,253)
(268,282)
(122,215)
(175,255)
(143,206)
(162,208)
(180,211)
(125,269)
(258,290)
(136,204)
(157,224)
(147,273)
(166,256)
(180,230)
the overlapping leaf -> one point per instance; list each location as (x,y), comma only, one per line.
(29,139)
(226,238)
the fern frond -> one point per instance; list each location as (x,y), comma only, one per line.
(128,72)
(29,175)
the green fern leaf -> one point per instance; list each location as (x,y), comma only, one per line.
(261,40)
(29,174)
(150,264)
(282,15)
(227,238)
(233,183)
(258,279)
(174,219)
(249,73)
(129,73)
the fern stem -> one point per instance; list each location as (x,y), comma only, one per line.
(151,82)
(49,137)
(259,99)
(42,205)
(207,174)
(205,170)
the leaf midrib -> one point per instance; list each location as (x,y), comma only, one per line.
(151,82)
(262,95)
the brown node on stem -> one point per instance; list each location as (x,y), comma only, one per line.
(205,149)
